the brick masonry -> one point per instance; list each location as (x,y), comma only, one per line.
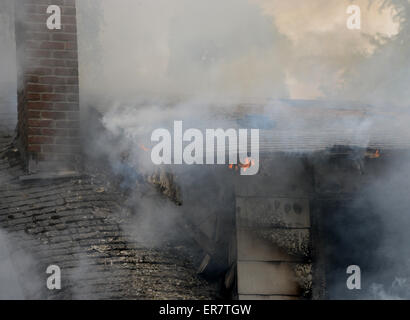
(48,86)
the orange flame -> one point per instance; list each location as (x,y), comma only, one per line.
(373,155)
(377,154)
(143,147)
(245,166)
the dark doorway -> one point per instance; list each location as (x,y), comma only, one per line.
(351,236)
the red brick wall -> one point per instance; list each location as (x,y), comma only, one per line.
(48,94)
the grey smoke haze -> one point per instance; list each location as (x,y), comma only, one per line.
(19,276)
(240,51)
(136,56)
(193,53)
(390,201)
(10,286)
(178,49)
(193,63)
(8,72)
(382,78)
(236,51)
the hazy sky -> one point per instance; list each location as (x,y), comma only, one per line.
(7,52)
(222,49)
(320,39)
(244,49)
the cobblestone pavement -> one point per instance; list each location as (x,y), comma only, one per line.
(75,224)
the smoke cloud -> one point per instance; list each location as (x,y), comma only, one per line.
(19,277)
(179,59)
(8,73)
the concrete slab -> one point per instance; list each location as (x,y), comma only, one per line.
(273,212)
(267,278)
(251,247)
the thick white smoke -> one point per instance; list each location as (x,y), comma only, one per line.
(8,73)
(192,54)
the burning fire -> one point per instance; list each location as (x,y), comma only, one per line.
(143,147)
(245,166)
(373,155)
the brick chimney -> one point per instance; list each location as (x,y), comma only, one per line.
(48,93)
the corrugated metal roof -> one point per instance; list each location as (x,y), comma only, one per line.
(307,126)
